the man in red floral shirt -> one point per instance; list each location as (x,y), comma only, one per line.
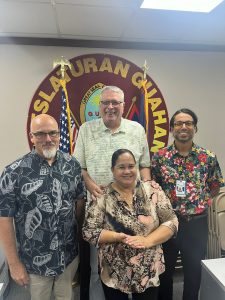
(190,176)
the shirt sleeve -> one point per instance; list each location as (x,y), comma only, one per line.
(94,220)
(145,157)
(81,191)
(166,214)
(79,152)
(7,194)
(215,178)
(155,169)
(161,204)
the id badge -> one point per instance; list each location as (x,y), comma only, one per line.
(180,188)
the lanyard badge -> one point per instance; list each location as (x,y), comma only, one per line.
(180,188)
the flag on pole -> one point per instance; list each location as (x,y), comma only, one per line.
(68,130)
(143,110)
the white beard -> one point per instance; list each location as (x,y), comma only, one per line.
(49,154)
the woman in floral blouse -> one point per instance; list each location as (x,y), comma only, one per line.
(127,224)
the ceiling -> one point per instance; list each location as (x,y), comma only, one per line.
(110,20)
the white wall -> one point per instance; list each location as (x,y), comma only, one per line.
(186,79)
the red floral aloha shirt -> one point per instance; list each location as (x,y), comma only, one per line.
(201,171)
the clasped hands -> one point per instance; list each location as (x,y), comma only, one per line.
(137,242)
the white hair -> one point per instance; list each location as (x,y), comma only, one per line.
(114,89)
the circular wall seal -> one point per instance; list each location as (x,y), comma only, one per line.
(88,74)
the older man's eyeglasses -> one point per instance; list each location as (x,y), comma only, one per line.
(180,124)
(42,135)
(113,102)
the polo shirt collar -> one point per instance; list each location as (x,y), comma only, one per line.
(193,151)
(120,129)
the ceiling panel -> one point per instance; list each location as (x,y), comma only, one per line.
(172,26)
(89,21)
(109,20)
(26,18)
(103,3)
(151,26)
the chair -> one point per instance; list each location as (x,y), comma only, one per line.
(216,223)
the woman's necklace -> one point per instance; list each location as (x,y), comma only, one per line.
(125,195)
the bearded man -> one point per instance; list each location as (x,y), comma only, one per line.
(39,194)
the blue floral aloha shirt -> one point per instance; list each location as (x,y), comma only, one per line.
(41,199)
(201,171)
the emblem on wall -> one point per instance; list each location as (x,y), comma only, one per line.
(88,74)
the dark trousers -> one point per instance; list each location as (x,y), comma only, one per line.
(114,294)
(84,269)
(191,241)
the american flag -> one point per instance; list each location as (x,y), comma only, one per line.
(67,137)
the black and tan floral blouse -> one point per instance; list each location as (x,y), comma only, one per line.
(122,267)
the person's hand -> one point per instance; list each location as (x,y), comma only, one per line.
(120,237)
(137,242)
(19,274)
(96,191)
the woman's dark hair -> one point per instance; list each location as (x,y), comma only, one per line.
(117,154)
(184,111)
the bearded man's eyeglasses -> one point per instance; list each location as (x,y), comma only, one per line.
(42,135)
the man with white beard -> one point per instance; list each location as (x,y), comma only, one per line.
(42,194)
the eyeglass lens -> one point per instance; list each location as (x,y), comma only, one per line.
(187,124)
(108,102)
(41,134)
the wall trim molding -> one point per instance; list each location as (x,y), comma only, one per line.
(111,44)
